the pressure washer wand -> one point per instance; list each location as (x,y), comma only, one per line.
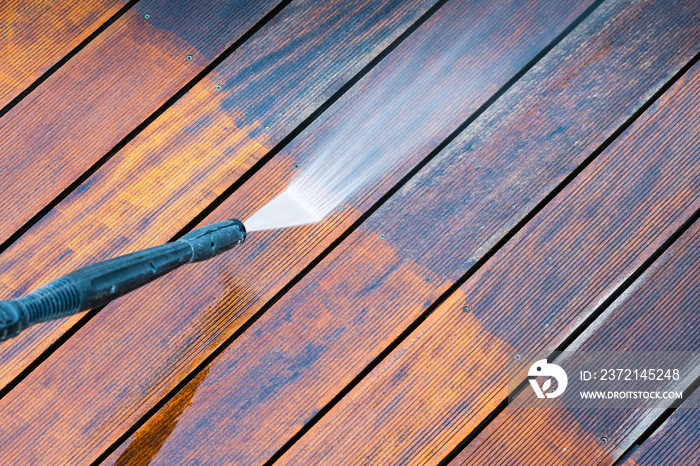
(97,284)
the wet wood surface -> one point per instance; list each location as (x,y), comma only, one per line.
(659,314)
(34,36)
(75,117)
(213,306)
(171,171)
(308,346)
(448,375)
(516,178)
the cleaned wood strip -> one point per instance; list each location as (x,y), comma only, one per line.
(213,301)
(199,147)
(308,346)
(658,314)
(68,123)
(36,35)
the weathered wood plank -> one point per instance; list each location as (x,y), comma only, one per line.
(307,347)
(212,303)
(659,313)
(675,442)
(34,36)
(105,91)
(447,376)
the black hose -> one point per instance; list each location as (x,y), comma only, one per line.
(97,284)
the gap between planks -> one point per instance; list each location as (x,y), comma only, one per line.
(140,127)
(70,54)
(192,375)
(88,173)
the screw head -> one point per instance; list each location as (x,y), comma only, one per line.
(428,279)
(218,87)
(517,357)
(340,208)
(382,236)
(147,16)
(189,57)
(604,440)
(266,128)
(296,165)
(465,308)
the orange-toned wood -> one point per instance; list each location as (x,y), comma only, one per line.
(201,145)
(142,450)
(104,92)
(36,35)
(190,314)
(308,346)
(658,314)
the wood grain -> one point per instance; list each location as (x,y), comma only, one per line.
(322,333)
(675,442)
(36,35)
(211,302)
(658,314)
(158,183)
(448,375)
(103,93)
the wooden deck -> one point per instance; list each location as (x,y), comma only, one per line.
(551,203)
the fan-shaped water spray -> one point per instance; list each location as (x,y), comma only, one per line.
(389,117)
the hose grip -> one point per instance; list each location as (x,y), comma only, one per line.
(211,240)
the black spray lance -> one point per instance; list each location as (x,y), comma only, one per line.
(97,284)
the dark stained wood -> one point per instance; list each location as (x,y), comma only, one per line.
(201,145)
(104,92)
(36,35)
(310,344)
(658,314)
(212,301)
(675,442)
(450,373)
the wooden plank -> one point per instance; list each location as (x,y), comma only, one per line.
(675,442)
(199,147)
(309,345)
(450,373)
(69,122)
(34,36)
(659,313)
(212,306)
